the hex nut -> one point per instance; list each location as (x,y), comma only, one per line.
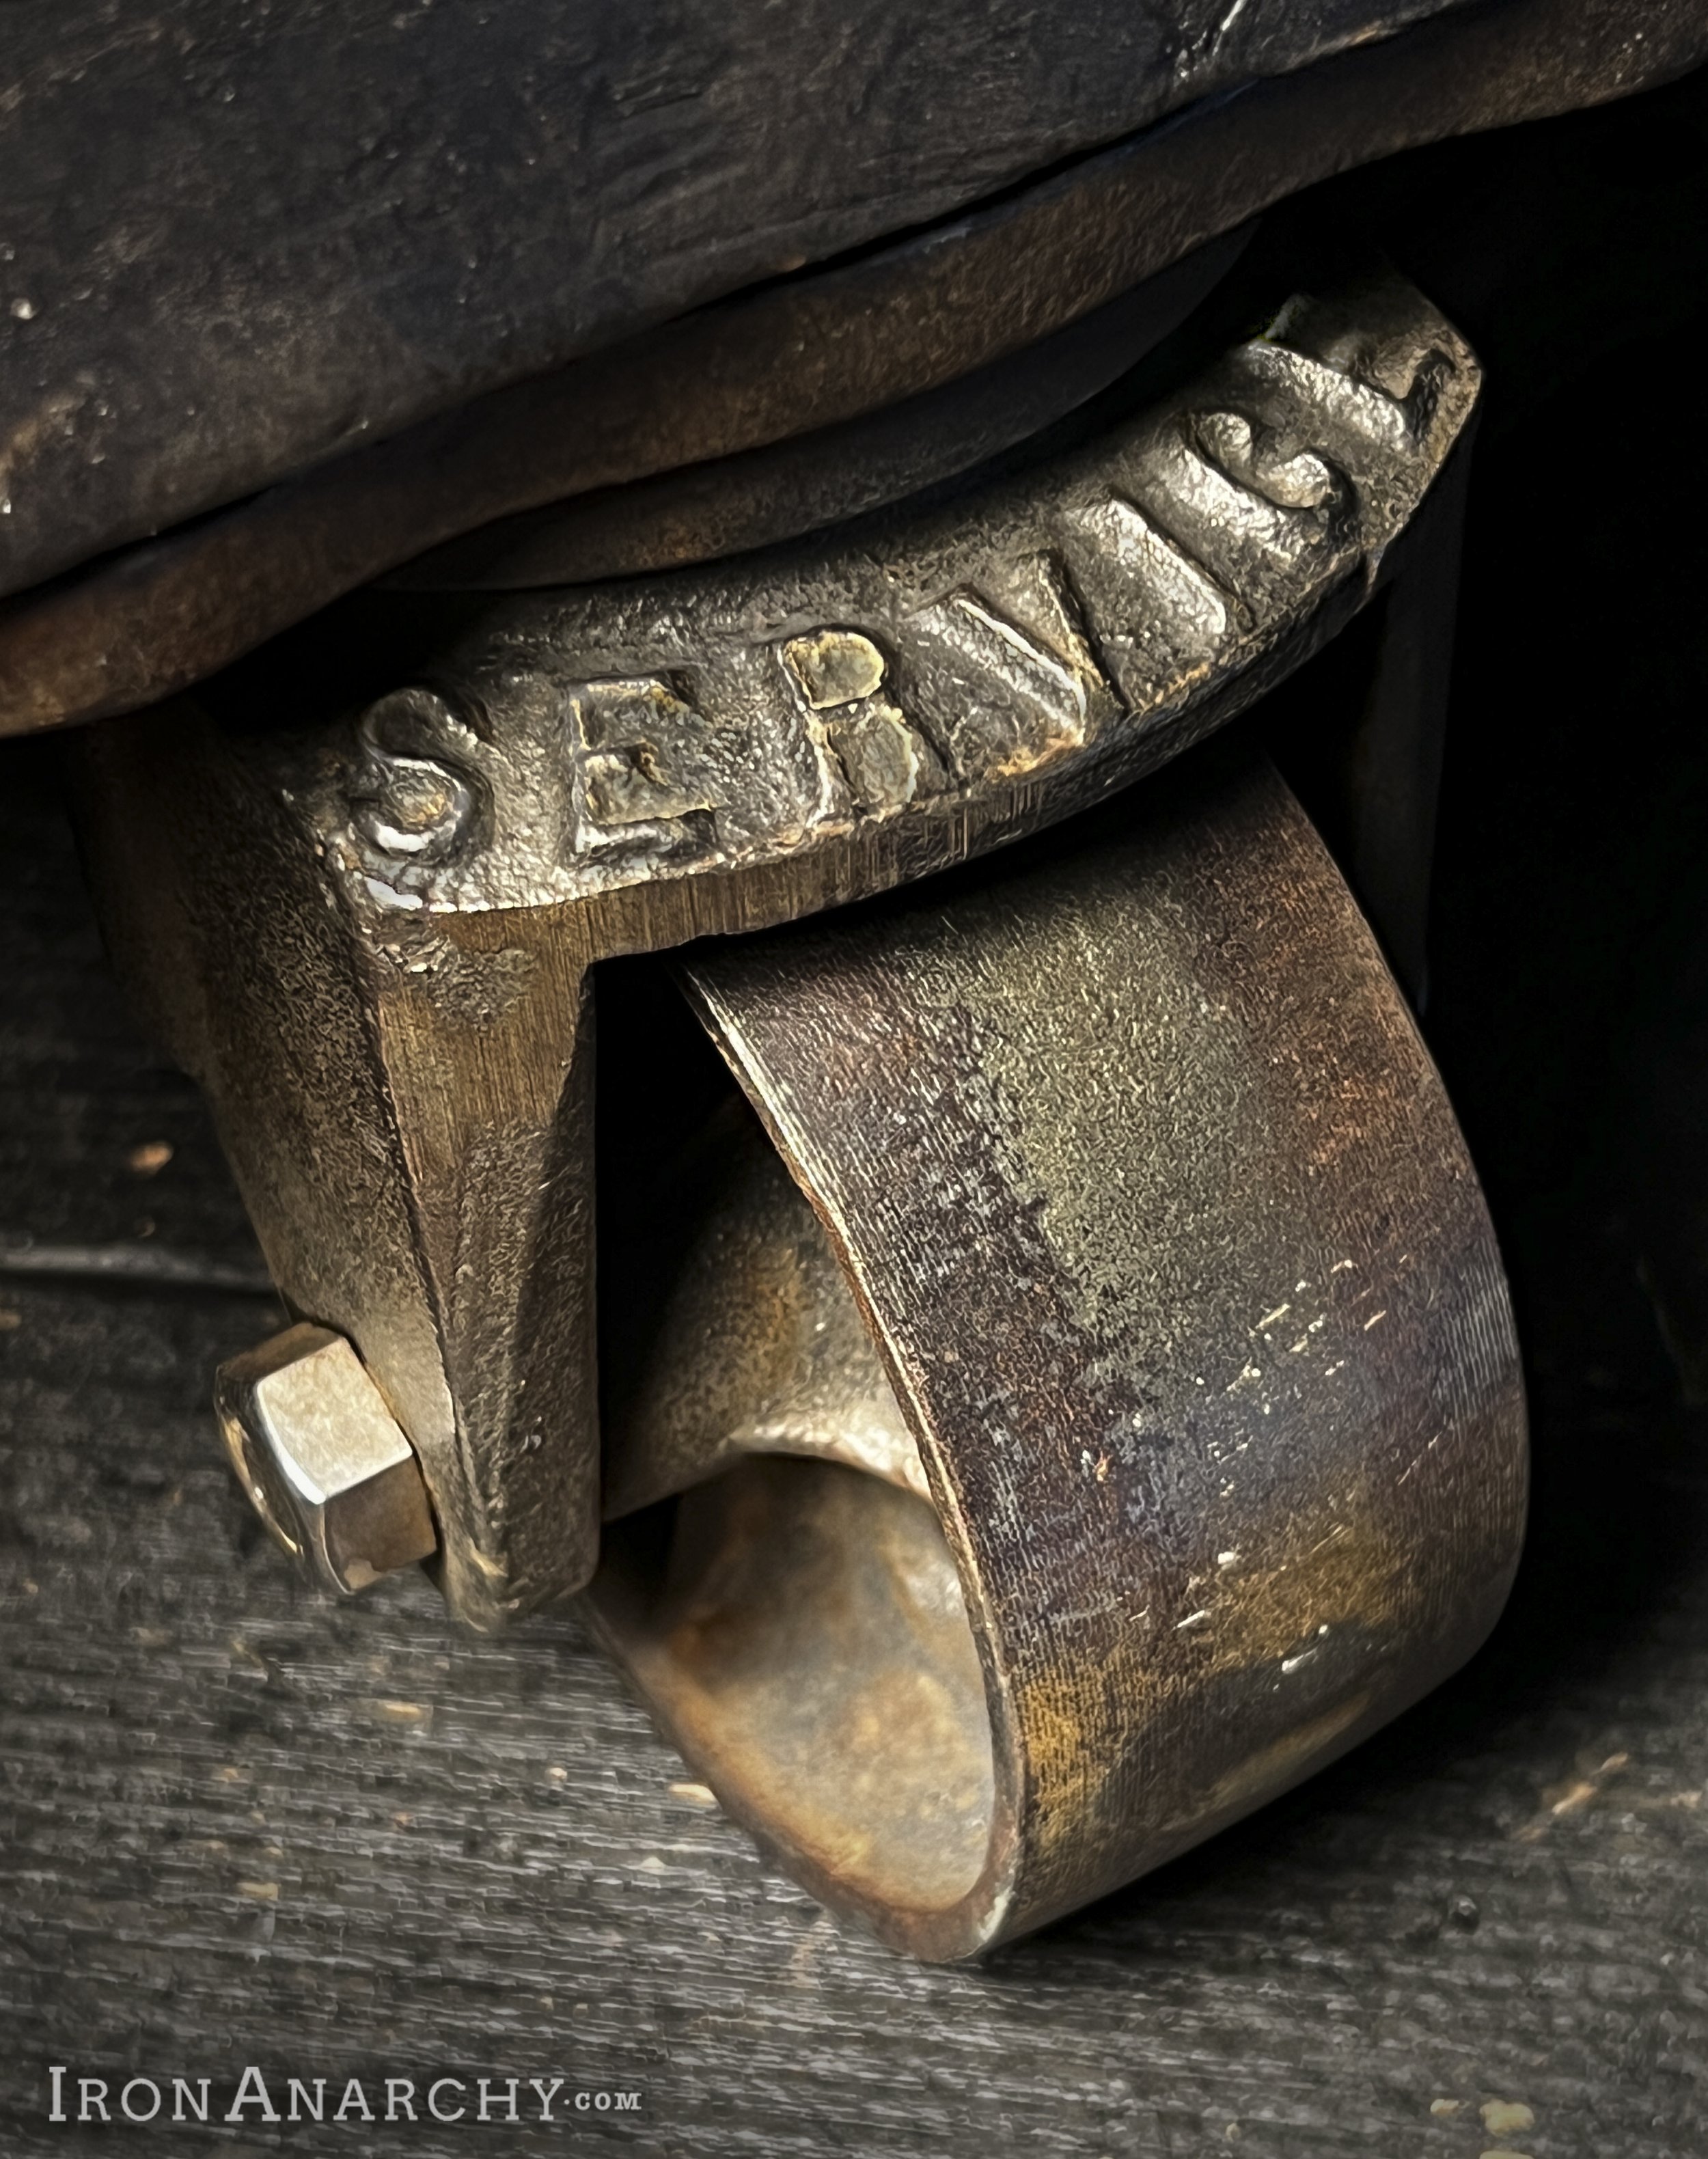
(323,1459)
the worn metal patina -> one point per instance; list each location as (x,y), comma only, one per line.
(370,935)
(1126,1417)
(1180,1276)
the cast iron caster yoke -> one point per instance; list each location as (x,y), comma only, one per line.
(1066,1392)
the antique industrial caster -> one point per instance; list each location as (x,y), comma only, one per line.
(1043,1382)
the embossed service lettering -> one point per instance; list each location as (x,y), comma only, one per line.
(1055,635)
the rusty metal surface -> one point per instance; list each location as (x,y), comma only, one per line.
(727,1329)
(799,355)
(368,934)
(1177,1265)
